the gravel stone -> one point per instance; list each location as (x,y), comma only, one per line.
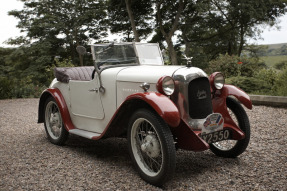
(28,161)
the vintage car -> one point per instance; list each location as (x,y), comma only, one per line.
(129,92)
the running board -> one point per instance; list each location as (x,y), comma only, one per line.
(83,133)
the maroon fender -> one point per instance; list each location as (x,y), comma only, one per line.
(61,104)
(161,104)
(188,139)
(228,90)
(219,106)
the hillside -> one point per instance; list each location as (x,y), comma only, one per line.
(273,54)
(271,61)
(275,46)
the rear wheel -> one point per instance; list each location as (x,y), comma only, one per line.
(54,126)
(151,147)
(233,148)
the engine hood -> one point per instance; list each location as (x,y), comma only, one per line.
(149,74)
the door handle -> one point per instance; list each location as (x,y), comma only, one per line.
(94,90)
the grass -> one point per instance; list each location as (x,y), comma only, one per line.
(272,60)
(275,46)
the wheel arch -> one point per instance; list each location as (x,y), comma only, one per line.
(57,95)
(230,90)
(119,124)
(155,102)
(164,107)
(45,95)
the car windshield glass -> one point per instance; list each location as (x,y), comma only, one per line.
(113,54)
(149,54)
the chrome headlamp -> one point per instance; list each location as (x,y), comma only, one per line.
(217,80)
(165,85)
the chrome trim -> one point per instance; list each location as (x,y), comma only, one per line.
(188,74)
(145,86)
(219,83)
(182,77)
(94,90)
(83,133)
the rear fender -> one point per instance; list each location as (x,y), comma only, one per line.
(219,106)
(161,104)
(57,95)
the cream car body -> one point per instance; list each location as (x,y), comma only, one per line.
(131,93)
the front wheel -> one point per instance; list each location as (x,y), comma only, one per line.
(151,147)
(56,132)
(233,148)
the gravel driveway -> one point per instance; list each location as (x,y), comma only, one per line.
(28,161)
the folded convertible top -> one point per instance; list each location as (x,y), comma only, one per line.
(83,73)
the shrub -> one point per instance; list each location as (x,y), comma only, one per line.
(27,88)
(280,85)
(264,82)
(267,75)
(225,64)
(281,65)
(249,84)
(24,88)
(232,66)
(5,88)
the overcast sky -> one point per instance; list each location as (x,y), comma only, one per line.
(9,30)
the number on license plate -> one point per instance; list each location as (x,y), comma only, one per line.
(216,136)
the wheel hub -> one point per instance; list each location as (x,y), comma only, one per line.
(55,122)
(151,146)
(54,119)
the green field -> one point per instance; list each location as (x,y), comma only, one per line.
(272,60)
(275,46)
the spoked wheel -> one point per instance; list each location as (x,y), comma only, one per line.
(233,148)
(54,127)
(151,147)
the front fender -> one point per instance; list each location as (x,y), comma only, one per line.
(57,95)
(161,104)
(230,90)
(219,106)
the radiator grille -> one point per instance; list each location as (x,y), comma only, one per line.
(200,105)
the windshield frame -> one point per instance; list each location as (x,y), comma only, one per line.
(151,61)
(110,46)
(136,51)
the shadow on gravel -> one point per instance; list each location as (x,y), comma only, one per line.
(189,164)
(199,166)
(107,150)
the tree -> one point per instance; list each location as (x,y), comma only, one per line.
(130,16)
(62,23)
(168,14)
(216,27)
(132,20)
(241,16)
(5,68)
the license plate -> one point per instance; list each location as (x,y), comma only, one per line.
(216,136)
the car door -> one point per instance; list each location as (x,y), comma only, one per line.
(86,99)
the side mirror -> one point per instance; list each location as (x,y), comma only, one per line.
(81,50)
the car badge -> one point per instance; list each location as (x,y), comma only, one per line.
(213,122)
(201,94)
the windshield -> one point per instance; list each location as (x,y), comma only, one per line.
(114,54)
(127,54)
(149,54)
